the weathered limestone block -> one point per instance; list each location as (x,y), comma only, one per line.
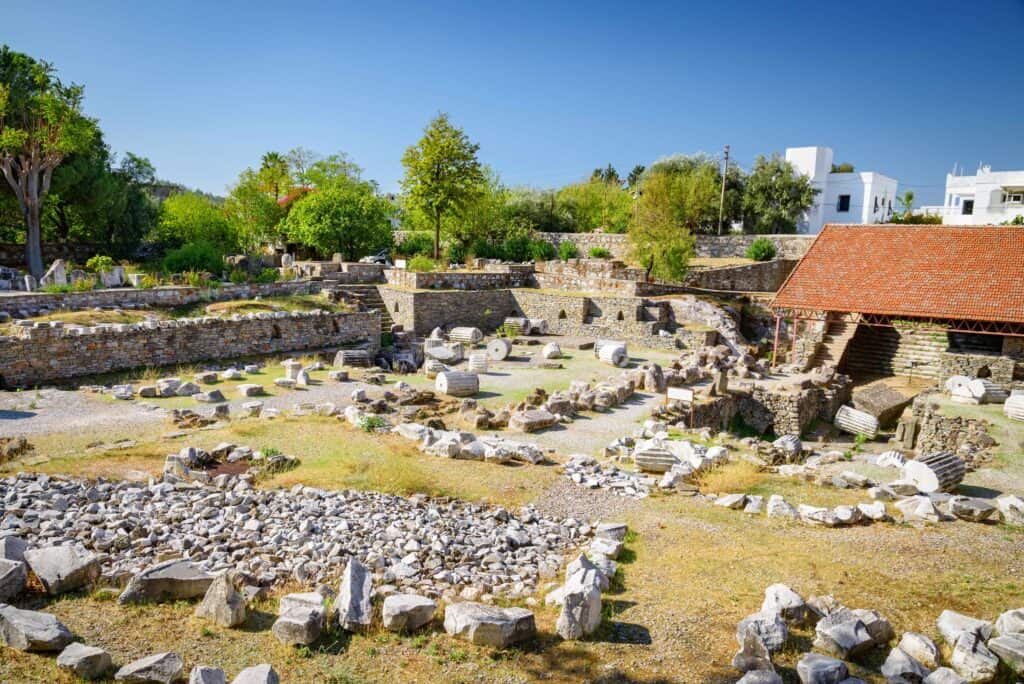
(63,568)
(487,625)
(407,612)
(162,668)
(29,630)
(171,580)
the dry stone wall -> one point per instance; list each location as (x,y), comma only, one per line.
(13,255)
(45,353)
(458,280)
(726,246)
(24,304)
(1005,371)
(422,311)
(766,276)
(966,437)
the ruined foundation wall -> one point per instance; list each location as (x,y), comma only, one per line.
(32,303)
(424,311)
(51,353)
(965,437)
(766,276)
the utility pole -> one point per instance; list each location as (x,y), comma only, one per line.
(721,202)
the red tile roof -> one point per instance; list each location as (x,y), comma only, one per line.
(952,272)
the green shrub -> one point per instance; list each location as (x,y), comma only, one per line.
(238,276)
(456,253)
(761,249)
(421,263)
(195,256)
(542,250)
(267,275)
(99,264)
(148,282)
(517,248)
(599,253)
(55,289)
(568,250)
(85,284)
(416,243)
(485,249)
(373,423)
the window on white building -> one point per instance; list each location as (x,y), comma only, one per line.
(843,205)
(968,207)
(1013,197)
(876,205)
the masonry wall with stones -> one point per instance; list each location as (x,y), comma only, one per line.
(1006,371)
(965,437)
(765,276)
(725,246)
(44,353)
(32,303)
(13,255)
(791,410)
(423,311)
(457,280)
(344,272)
(621,318)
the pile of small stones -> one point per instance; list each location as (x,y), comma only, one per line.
(436,547)
(587,472)
(843,634)
(466,445)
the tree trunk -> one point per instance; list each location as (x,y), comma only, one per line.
(33,227)
(33,241)
(437,236)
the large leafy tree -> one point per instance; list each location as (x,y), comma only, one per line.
(253,208)
(596,204)
(94,199)
(41,122)
(690,187)
(442,174)
(540,210)
(349,218)
(775,196)
(189,217)
(672,206)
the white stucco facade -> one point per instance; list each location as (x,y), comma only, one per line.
(986,198)
(855,197)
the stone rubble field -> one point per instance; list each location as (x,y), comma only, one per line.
(303,534)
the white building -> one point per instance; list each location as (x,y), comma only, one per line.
(986,198)
(843,197)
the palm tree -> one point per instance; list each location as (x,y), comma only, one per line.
(907,202)
(274,173)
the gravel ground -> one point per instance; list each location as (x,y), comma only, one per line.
(566,499)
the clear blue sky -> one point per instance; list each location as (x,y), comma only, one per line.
(203,89)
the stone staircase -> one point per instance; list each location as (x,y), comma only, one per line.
(833,346)
(879,351)
(370,297)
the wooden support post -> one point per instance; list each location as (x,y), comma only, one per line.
(775,346)
(792,345)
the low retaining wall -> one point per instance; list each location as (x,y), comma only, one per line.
(424,311)
(968,438)
(765,276)
(779,411)
(345,272)
(1002,370)
(14,255)
(726,246)
(24,304)
(458,280)
(713,246)
(46,353)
